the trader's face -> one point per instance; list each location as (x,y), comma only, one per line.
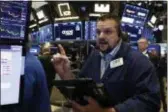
(142,45)
(107,34)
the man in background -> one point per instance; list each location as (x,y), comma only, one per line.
(143,45)
(45,59)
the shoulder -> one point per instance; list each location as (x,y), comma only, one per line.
(32,62)
(138,60)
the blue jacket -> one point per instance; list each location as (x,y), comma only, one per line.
(36,95)
(133,86)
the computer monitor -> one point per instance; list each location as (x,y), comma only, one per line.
(134,15)
(134,32)
(35,50)
(45,34)
(90,30)
(155,47)
(11,70)
(148,33)
(35,37)
(68,31)
(14,18)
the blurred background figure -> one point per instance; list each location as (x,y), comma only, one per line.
(143,45)
(162,71)
(45,59)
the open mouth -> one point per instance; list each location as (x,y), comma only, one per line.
(103,42)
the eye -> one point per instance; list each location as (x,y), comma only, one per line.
(107,31)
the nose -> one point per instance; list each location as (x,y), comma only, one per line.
(101,35)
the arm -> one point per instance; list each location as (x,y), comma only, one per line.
(61,64)
(146,98)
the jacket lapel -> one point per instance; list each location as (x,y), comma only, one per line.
(121,54)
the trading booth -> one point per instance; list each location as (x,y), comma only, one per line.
(72,24)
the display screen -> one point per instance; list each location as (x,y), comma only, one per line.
(13,17)
(148,33)
(45,34)
(35,36)
(68,31)
(35,50)
(90,30)
(155,47)
(11,69)
(134,15)
(134,32)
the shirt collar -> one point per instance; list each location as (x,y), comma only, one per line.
(144,52)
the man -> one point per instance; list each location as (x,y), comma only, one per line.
(128,76)
(36,95)
(143,45)
(47,65)
(152,55)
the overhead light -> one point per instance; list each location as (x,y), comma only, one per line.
(42,21)
(38,3)
(64,9)
(94,15)
(33,25)
(140,3)
(159,4)
(161,27)
(40,14)
(66,18)
(150,24)
(153,19)
(102,7)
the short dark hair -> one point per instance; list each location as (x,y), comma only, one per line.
(112,17)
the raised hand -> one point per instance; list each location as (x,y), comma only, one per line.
(62,64)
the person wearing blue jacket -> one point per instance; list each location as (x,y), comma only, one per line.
(128,76)
(36,94)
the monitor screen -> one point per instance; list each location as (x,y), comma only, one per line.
(35,50)
(148,33)
(11,69)
(68,31)
(13,17)
(90,30)
(155,47)
(134,32)
(35,36)
(45,34)
(134,15)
